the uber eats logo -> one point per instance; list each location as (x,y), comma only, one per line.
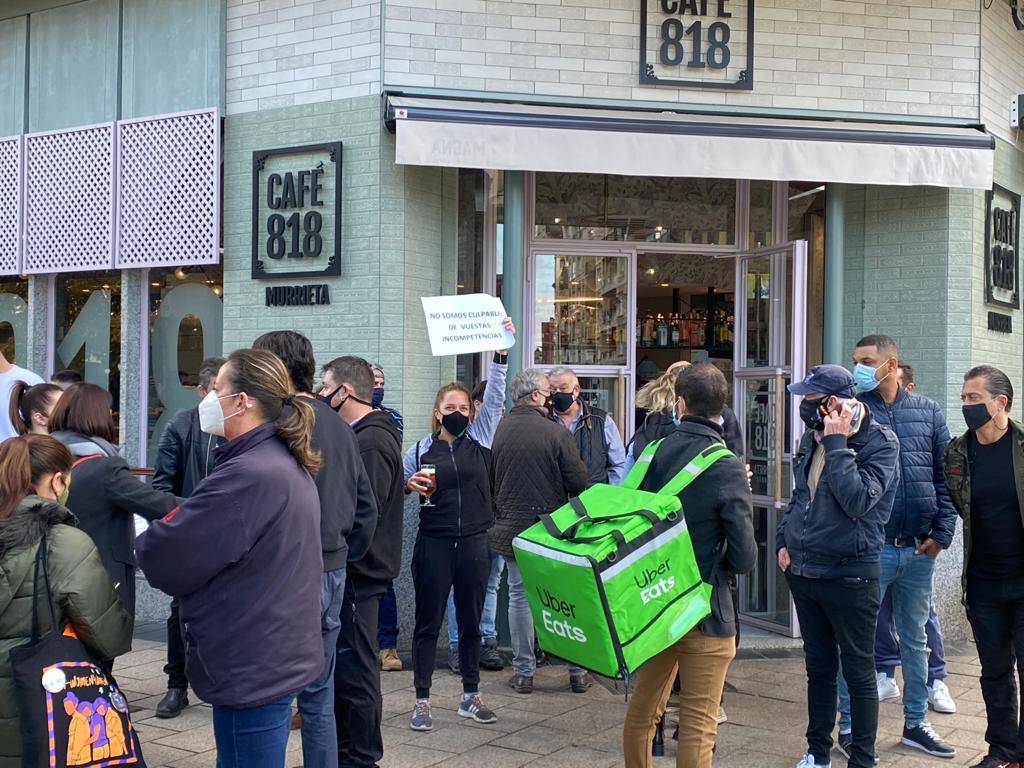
(653,584)
(560,626)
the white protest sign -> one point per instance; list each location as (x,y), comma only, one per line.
(458,325)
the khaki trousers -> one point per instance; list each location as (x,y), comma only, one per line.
(702,662)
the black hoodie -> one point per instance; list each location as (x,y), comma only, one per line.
(380,446)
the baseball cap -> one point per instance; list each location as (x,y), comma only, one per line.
(825,380)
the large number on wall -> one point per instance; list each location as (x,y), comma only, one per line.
(90,330)
(189,300)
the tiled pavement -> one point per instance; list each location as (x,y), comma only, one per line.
(558,729)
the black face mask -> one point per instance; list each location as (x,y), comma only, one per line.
(811,413)
(562,401)
(976,416)
(326,400)
(455,423)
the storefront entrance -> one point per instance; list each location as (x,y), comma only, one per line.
(620,315)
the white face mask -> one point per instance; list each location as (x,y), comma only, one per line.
(211,414)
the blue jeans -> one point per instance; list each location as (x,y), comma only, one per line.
(488,628)
(908,577)
(387,619)
(255,737)
(887,646)
(316,700)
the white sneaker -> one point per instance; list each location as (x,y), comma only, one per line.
(808,762)
(939,698)
(887,688)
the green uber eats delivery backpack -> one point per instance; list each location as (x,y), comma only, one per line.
(611,577)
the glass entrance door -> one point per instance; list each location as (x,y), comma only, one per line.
(581,310)
(769,353)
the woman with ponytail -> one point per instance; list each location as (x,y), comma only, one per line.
(35,471)
(31,406)
(242,554)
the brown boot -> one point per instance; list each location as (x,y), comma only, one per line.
(389,661)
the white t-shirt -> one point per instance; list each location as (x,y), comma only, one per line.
(7,380)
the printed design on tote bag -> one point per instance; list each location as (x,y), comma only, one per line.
(88,717)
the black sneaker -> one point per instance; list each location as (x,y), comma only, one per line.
(924,738)
(845,743)
(490,659)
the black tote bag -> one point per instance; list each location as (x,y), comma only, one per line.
(72,712)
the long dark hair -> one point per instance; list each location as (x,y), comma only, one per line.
(262,376)
(26,400)
(84,408)
(24,461)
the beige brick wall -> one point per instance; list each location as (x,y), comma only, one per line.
(281,53)
(916,57)
(1002,71)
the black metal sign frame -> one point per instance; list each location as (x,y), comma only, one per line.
(746,78)
(1014,302)
(259,159)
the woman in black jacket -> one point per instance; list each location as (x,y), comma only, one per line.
(451,550)
(104,493)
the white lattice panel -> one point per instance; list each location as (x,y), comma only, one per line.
(69,199)
(168,190)
(10,206)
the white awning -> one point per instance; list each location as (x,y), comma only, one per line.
(471,134)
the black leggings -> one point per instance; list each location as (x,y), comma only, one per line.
(438,565)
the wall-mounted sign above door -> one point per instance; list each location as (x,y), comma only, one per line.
(296,211)
(697,43)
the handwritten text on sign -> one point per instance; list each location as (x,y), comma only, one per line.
(459,325)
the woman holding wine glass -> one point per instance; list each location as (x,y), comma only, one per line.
(451,469)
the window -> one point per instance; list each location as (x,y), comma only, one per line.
(14,315)
(185,327)
(88,329)
(642,209)
(581,310)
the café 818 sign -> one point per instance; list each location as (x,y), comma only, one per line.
(296,211)
(697,43)
(1002,242)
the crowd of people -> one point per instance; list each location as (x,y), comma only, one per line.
(275,520)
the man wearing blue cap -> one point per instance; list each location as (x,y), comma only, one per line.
(829,543)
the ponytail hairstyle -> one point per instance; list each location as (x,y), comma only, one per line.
(659,395)
(262,376)
(26,400)
(26,460)
(454,386)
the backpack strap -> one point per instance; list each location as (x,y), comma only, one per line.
(81,459)
(638,471)
(695,468)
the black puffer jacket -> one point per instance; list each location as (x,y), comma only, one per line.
(660,425)
(537,467)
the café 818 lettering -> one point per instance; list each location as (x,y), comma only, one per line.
(296,203)
(697,43)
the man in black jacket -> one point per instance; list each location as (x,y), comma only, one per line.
(348,389)
(717,507)
(536,467)
(184,459)
(829,545)
(348,518)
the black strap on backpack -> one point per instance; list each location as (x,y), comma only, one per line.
(40,564)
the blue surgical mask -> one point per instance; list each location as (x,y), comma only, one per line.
(864,377)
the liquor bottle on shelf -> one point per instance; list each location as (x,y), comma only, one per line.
(662,332)
(647,339)
(673,331)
